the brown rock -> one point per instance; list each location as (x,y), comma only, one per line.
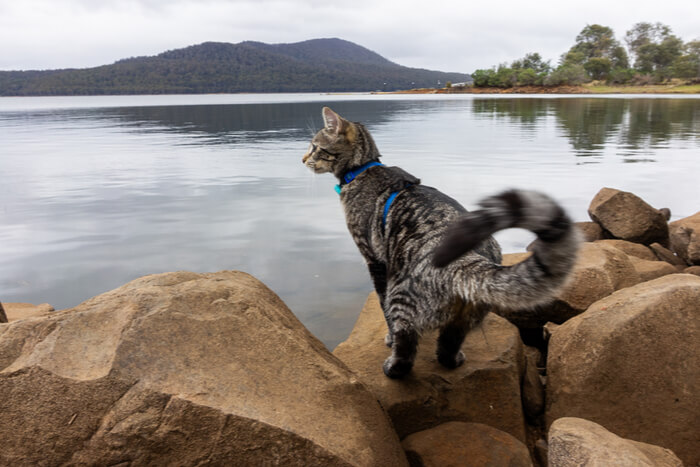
(17,311)
(664,254)
(631,249)
(649,270)
(631,362)
(575,442)
(685,238)
(628,217)
(485,389)
(599,271)
(510,259)
(456,444)
(3,316)
(692,270)
(183,369)
(533,389)
(590,231)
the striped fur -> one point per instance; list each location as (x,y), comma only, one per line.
(435,265)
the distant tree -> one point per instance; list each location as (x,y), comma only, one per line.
(533,61)
(597,50)
(688,64)
(597,67)
(655,48)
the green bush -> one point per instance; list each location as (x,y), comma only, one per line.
(620,75)
(481,77)
(527,77)
(571,74)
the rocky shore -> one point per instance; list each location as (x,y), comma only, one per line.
(213,369)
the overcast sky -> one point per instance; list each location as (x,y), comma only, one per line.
(442,35)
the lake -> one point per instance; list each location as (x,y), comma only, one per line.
(97,191)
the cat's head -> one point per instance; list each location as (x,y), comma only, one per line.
(339,146)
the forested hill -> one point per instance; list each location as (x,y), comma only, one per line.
(318,65)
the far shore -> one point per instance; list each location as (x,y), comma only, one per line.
(585,89)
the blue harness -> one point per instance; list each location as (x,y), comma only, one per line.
(350,175)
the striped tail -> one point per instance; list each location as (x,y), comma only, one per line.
(523,285)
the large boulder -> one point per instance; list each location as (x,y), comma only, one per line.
(649,270)
(3,316)
(636,250)
(631,363)
(183,369)
(628,217)
(485,389)
(459,443)
(685,238)
(600,269)
(17,311)
(590,231)
(574,442)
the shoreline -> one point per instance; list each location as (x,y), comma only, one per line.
(587,89)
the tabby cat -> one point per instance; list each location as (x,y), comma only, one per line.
(433,264)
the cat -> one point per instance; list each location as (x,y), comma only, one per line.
(433,264)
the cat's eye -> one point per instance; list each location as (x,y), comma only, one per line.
(332,155)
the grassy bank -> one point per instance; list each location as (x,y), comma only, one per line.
(648,89)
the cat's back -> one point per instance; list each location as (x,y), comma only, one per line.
(421,214)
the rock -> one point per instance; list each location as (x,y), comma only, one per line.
(692,270)
(533,389)
(685,238)
(628,217)
(510,259)
(17,311)
(456,444)
(600,270)
(666,212)
(664,254)
(548,329)
(631,249)
(183,369)
(3,316)
(649,270)
(542,452)
(485,389)
(575,442)
(631,362)
(590,231)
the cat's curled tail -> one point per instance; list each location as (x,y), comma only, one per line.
(523,285)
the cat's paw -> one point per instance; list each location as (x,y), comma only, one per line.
(389,339)
(451,361)
(396,368)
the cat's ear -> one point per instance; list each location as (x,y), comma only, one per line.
(334,122)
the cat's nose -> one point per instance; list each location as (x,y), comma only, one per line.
(306,156)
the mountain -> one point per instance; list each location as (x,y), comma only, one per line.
(318,65)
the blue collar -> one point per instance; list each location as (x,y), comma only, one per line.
(350,175)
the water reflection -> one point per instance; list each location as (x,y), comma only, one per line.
(96,196)
(591,124)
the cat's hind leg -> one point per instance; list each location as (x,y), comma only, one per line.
(452,335)
(404,347)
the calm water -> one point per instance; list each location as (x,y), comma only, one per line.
(97,191)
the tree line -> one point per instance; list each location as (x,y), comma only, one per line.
(653,55)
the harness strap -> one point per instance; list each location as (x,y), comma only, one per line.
(390,200)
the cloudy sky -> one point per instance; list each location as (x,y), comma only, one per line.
(442,35)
